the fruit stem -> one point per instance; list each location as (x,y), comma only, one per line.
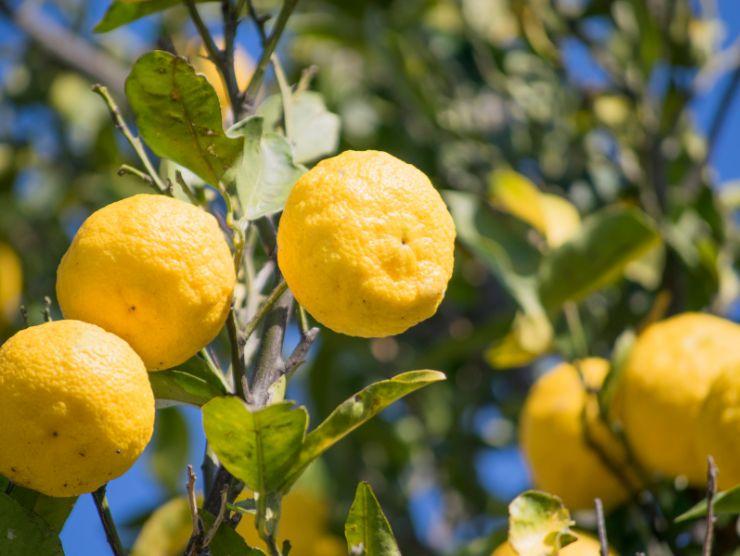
(111,533)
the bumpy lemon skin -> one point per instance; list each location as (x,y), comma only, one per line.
(668,373)
(153,270)
(77,408)
(366,244)
(719,423)
(586,545)
(552,438)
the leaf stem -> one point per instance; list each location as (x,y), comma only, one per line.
(111,533)
(134,141)
(264,309)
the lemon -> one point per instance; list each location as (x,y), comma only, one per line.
(663,385)
(243,69)
(77,407)
(153,270)
(366,244)
(586,545)
(719,425)
(167,531)
(304,520)
(553,441)
(11,283)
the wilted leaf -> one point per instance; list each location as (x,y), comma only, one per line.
(355,411)
(367,530)
(179,115)
(596,256)
(169,448)
(193,383)
(727,502)
(121,12)
(23,533)
(266,172)
(258,447)
(539,524)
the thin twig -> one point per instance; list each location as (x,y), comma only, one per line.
(237,341)
(601,525)
(259,22)
(24,316)
(47,309)
(193,502)
(219,519)
(264,309)
(277,30)
(111,533)
(298,357)
(134,141)
(712,473)
(127,170)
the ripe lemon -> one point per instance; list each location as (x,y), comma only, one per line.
(304,521)
(552,437)
(243,69)
(77,407)
(167,531)
(719,426)
(153,270)
(11,283)
(366,244)
(586,545)
(662,387)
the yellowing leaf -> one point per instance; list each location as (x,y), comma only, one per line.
(529,337)
(515,194)
(562,220)
(554,217)
(539,524)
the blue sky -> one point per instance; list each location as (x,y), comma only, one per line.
(137,492)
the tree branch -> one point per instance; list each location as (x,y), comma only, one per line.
(111,533)
(711,493)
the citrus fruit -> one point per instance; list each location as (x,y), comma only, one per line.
(243,69)
(167,531)
(77,407)
(11,282)
(304,520)
(553,438)
(153,270)
(719,426)
(366,244)
(586,545)
(666,377)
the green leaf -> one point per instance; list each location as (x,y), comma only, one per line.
(23,533)
(266,172)
(121,12)
(312,129)
(54,511)
(596,256)
(179,115)
(539,524)
(257,447)
(727,502)
(169,448)
(355,411)
(367,530)
(193,382)
(620,353)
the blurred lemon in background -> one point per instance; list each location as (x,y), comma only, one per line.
(11,284)
(552,437)
(662,388)
(243,69)
(304,521)
(586,545)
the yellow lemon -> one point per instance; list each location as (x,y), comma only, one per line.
(586,545)
(553,441)
(662,387)
(304,521)
(77,407)
(153,270)
(243,69)
(11,283)
(167,531)
(719,423)
(366,244)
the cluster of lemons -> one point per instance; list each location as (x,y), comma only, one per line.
(676,401)
(365,244)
